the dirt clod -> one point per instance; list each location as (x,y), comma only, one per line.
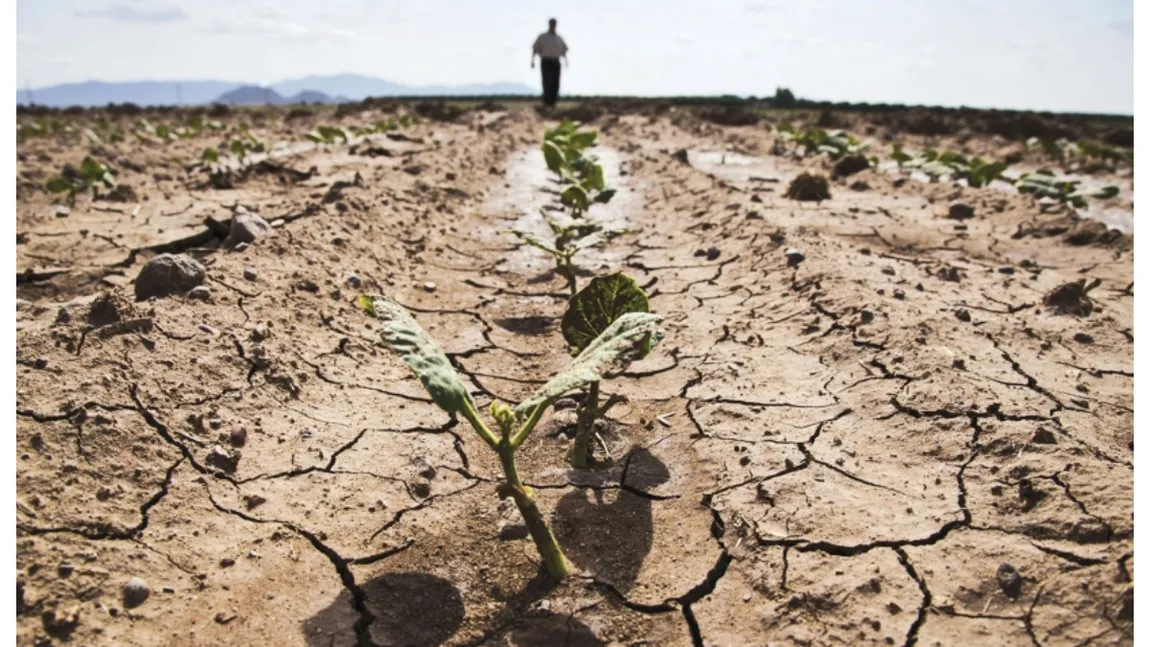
(963,315)
(224,459)
(959,211)
(849,165)
(246,227)
(794,257)
(1083,338)
(1071,298)
(168,274)
(809,188)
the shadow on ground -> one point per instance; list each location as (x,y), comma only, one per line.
(410,609)
(609,533)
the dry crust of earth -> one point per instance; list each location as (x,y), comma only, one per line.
(846,450)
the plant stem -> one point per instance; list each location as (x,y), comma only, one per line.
(585,427)
(553,558)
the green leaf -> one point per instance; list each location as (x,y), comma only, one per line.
(629,338)
(575,196)
(594,308)
(210,155)
(534,241)
(554,156)
(593,178)
(594,239)
(1105,193)
(417,349)
(91,170)
(58,185)
(603,197)
(238,149)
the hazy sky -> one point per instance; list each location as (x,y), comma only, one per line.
(1038,54)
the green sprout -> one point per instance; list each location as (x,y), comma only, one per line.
(590,312)
(570,238)
(330,134)
(1044,184)
(627,339)
(91,174)
(976,171)
(837,144)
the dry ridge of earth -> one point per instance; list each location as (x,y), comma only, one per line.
(865,426)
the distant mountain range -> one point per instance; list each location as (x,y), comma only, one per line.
(323,89)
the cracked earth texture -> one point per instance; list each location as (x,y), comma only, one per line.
(820,454)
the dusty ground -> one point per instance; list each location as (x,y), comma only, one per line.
(842,452)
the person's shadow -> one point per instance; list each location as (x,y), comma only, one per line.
(611,540)
(410,609)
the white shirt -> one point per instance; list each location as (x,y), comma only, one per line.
(550,45)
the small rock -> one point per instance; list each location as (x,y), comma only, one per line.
(899,294)
(949,273)
(62,211)
(136,591)
(429,286)
(713,253)
(1083,338)
(513,532)
(681,156)
(260,332)
(353,281)
(888,270)
(238,436)
(963,315)
(200,293)
(1006,269)
(1071,298)
(65,569)
(866,315)
(1044,436)
(893,609)
(168,274)
(249,274)
(240,247)
(794,257)
(40,363)
(959,364)
(227,562)
(849,165)
(223,459)
(421,489)
(960,211)
(252,501)
(1090,531)
(1009,580)
(246,228)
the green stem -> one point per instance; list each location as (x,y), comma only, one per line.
(553,558)
(529,425)
(477,423)
(585,427)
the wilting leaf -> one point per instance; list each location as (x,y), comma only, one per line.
(594,239)
(418,350)
(631,337)
(554,156)
(533,240)
(603,197)
(598,305)
(58,185)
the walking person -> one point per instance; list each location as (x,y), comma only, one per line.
(549,47)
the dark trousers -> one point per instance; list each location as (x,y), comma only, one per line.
(550,69)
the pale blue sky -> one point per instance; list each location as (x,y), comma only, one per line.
(1071,55)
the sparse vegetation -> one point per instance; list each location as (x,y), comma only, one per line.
(628,338)
(91,175)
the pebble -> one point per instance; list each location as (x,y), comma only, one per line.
(429,286)
(62,211)
(353,281)
(1083,338)
(888,270)
(136,591)
(899,294)
(1006,269)
(65,569)
(238,436)
(963,315)
(713,253)
(168,274)
(260,332)
(249,274)
(1009,580)
(794,257)
(246,227)
(960,211)
(40,363)
(513,532)
(200,293)
(866,315)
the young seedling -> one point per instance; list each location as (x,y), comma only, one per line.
(571,237)
(976,171)
(628,338)
(91,174)
(836,144)
(1044,184)
(590,312)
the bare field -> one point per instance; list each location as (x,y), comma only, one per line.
(896,439)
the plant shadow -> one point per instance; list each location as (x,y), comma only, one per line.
(548,629)
(611,539)
(410,609)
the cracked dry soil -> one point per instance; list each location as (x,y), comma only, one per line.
(825,453)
